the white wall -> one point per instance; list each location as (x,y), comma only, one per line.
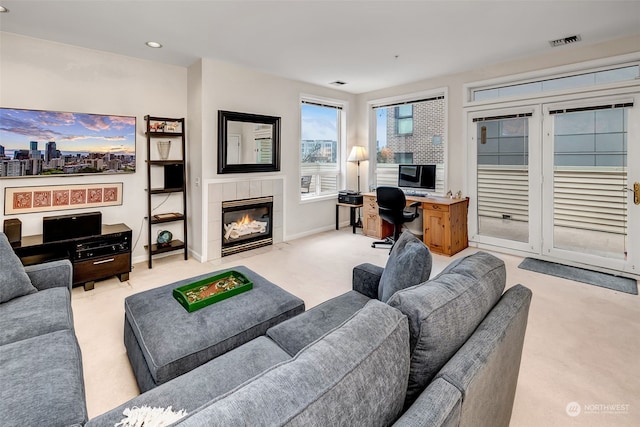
(37,74)
(233,88)
(456,163)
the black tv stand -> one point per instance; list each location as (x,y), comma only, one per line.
(93,257)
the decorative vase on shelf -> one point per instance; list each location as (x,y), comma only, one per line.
(163,149)
(164,238)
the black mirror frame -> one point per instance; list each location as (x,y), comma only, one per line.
(223,118)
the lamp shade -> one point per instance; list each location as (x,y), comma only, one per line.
(358,153)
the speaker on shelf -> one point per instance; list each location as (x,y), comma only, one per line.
(64,227)
(13,229)
(173,176)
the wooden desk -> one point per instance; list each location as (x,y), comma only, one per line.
(444,222)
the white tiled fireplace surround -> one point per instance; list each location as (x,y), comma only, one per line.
(225,189)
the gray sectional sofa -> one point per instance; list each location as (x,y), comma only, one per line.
(41,380)
(440,352)
(396,350)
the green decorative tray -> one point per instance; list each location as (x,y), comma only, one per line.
(212,289)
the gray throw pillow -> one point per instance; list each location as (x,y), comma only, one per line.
(14,281)
(409,264)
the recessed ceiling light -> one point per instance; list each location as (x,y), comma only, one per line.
(154,45)
(3,9)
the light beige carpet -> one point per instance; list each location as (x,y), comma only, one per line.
(582,343)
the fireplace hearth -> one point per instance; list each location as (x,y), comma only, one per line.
(246,224)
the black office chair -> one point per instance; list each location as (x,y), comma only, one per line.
(391,208)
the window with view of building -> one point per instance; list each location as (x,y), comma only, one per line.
(409,132)
(404,119)
(320,145)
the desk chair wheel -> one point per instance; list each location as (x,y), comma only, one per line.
(387,241)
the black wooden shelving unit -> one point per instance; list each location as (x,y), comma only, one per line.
(157,128)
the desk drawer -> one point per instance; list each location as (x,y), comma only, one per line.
(370,205)
(100,268)
(435,207)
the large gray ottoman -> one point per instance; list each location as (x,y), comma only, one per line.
(164,341)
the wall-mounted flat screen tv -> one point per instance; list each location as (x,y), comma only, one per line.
(417,176)
(52,143)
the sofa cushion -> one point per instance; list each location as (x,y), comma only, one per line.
(341,379)
(14,281)
(42,383)
(206,382)
(445,311)
(299,331)
(38,314)
(409,264)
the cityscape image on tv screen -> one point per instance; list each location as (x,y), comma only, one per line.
(45,143)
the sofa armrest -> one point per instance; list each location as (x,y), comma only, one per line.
(51,274)
(439,405)
(486,368)
(366,278)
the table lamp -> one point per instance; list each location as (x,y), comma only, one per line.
(358,154)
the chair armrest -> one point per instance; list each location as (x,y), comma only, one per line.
(366,278)
(51,274)
(415,205)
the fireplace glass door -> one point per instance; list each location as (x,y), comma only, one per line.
(246,224)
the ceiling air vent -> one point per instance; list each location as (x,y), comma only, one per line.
(566,40)
(338,83)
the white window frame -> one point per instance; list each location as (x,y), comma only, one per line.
(552,73)
(412,97)
(343,108)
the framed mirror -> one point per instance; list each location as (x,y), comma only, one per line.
(248,142)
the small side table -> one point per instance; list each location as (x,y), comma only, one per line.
(352,214)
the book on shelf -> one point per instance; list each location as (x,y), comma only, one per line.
(170,215)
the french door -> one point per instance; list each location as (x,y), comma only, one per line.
(554,180)
(588,192)
(505,160)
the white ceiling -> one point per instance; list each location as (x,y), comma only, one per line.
(367,44)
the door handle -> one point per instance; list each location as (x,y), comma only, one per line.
(636,192)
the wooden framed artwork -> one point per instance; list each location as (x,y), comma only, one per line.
(21,200)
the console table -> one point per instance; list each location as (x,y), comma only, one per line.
(444,222)
(352,214)
(93,257)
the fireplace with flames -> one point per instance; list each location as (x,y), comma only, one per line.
(246,224)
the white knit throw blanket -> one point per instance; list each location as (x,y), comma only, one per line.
(147,416)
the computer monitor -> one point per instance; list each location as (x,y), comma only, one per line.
(417,176)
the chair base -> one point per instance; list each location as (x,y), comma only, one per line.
(387,241)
